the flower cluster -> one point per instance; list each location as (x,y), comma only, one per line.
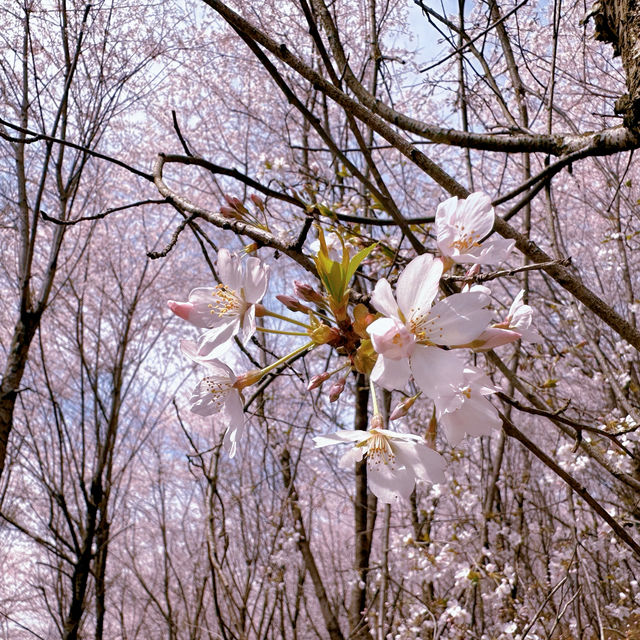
(406,334)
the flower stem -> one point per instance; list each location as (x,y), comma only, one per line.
(294,353)
(374,398)
(273,314)
(286,333)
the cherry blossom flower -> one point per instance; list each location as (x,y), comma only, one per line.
(519,319)
(395,461)
(217,393)
(464,410)
(460,227)
(407,338)
(230,307)
(516,325)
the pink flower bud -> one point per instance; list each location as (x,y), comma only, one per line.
(229,213)
(402,408)
(336,389)
(317,380)
(257,201)
(292,303)
(473,272)
(306,292)
(236,203)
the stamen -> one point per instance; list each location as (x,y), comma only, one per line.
(218,389)
(379,451)
(227,301)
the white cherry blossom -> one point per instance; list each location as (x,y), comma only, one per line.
(395,461)
(464,409)
(517,325)
(520,317)
(229,308)
(462,224)
(409,339)
(217,393)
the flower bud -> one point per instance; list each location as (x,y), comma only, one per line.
(292,303)
(336,389)
(257,201)
(233,202)
(307,293)
(229,213)
(317,380)
(473,272)
(402,408)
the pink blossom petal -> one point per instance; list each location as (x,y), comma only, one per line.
(458,319)
(391,374)
(382,299)
(388,482)
(424,462)
(234,417)
(435,369)
(493,337)
(230,269)
(340,437)
(418,285)
(256,280)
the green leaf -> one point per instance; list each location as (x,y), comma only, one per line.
(357,260)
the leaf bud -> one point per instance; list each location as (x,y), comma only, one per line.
(317,380)
(323,333)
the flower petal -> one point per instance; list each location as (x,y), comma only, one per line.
(382,299)
(340,437)
(230,269)
(425,463)
(353,455)
(391,338)
(217,340)
(248,323)
(476,417)
(234,416)
(418,285)
(435,369)
(256,280)
(389,482)
(458,319)
(391,374)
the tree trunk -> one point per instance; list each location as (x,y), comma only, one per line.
(618,22)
